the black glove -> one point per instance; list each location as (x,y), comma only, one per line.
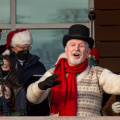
(49,82)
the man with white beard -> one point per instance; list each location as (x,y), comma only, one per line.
(75,88)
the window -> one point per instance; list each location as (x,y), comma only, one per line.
(4,11)
(52,11)
(48,21)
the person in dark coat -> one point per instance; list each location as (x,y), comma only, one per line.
(27,65)
(28,71)
(9,99)
(9,74)
(2,48)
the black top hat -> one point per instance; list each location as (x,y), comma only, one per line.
(78,31)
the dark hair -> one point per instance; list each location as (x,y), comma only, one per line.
(9,60)
(12,78)
(12,97)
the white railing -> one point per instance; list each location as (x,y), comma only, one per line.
(60,118)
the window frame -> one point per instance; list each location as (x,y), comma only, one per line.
(14,26)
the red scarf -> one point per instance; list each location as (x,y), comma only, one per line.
(64,95)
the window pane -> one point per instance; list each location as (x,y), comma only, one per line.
(52,11)
(47,44)
(4,36)
(4,11)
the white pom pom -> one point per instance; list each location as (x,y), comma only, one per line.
(6,52)
(62,55)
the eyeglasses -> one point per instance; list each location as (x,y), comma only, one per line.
(25,48)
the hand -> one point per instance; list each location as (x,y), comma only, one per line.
(49,82)
(116,107)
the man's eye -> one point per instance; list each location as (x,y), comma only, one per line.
(81,45)
(72,45)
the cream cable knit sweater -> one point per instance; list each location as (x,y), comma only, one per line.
(90,86)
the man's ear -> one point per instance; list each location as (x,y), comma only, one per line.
(65,49)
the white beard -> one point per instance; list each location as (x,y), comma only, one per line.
(75,61)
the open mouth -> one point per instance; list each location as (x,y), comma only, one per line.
(76,54)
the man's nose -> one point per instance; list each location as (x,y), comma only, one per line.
(77,47)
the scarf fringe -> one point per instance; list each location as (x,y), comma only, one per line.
(54,109)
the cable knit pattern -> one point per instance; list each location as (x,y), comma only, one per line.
(89,92)
(90,86)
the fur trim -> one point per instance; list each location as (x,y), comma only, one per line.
(21,38)
(6,52)
(62,55)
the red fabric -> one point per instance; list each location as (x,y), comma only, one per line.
(10,35)
(64,95)
(1,113)
(95,53)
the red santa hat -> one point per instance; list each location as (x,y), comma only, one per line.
(17,37)
(95,52)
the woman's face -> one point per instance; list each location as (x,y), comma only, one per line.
(5,66)
(7,92)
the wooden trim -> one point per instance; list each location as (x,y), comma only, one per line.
(111,17)
(107,4)
(108,49)
(112,64)
(107,33)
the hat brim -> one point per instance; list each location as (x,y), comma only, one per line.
(89,40)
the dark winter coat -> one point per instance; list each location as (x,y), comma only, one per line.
(26,74)
(20,101)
